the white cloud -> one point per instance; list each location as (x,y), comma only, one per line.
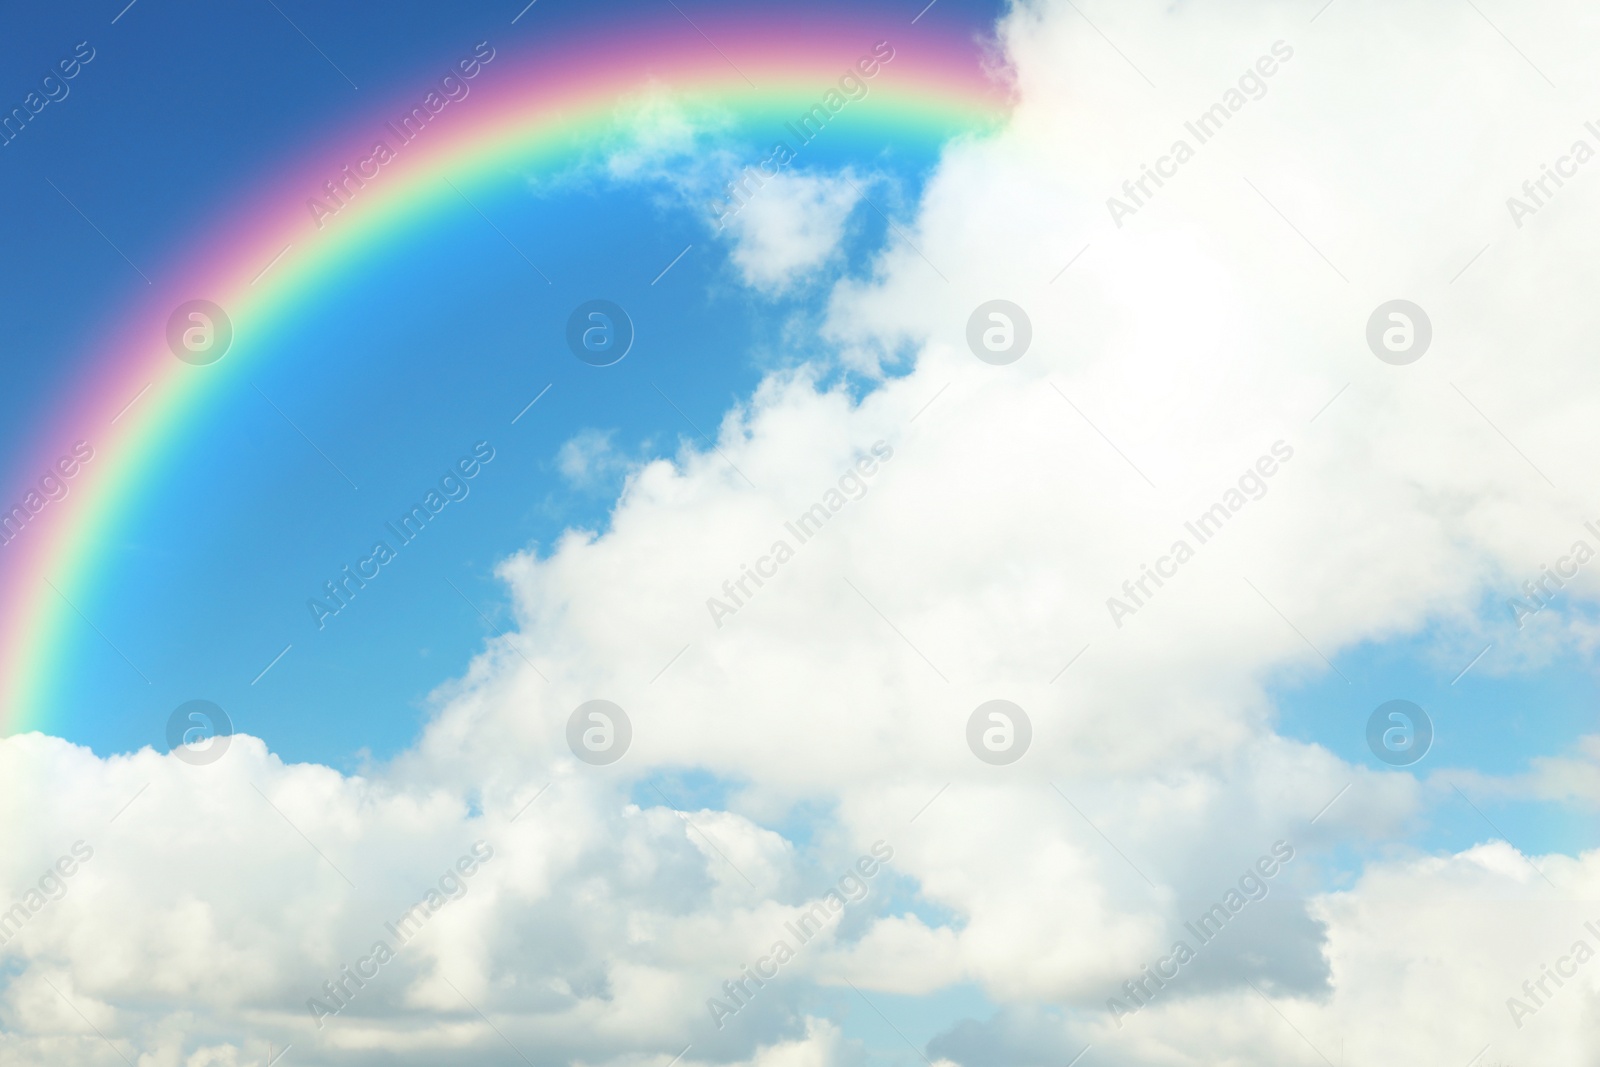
(782,226)
(819,1048)
(791,226)
(974,563)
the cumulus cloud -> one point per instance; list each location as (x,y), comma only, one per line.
(824,689)
(791,226)
(780,224)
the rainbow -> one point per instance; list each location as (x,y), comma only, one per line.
(526,109)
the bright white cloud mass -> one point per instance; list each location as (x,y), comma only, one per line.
(1223,321)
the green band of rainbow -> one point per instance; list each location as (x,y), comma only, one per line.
(523,113)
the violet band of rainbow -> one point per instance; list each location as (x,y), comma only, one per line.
(529,110)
